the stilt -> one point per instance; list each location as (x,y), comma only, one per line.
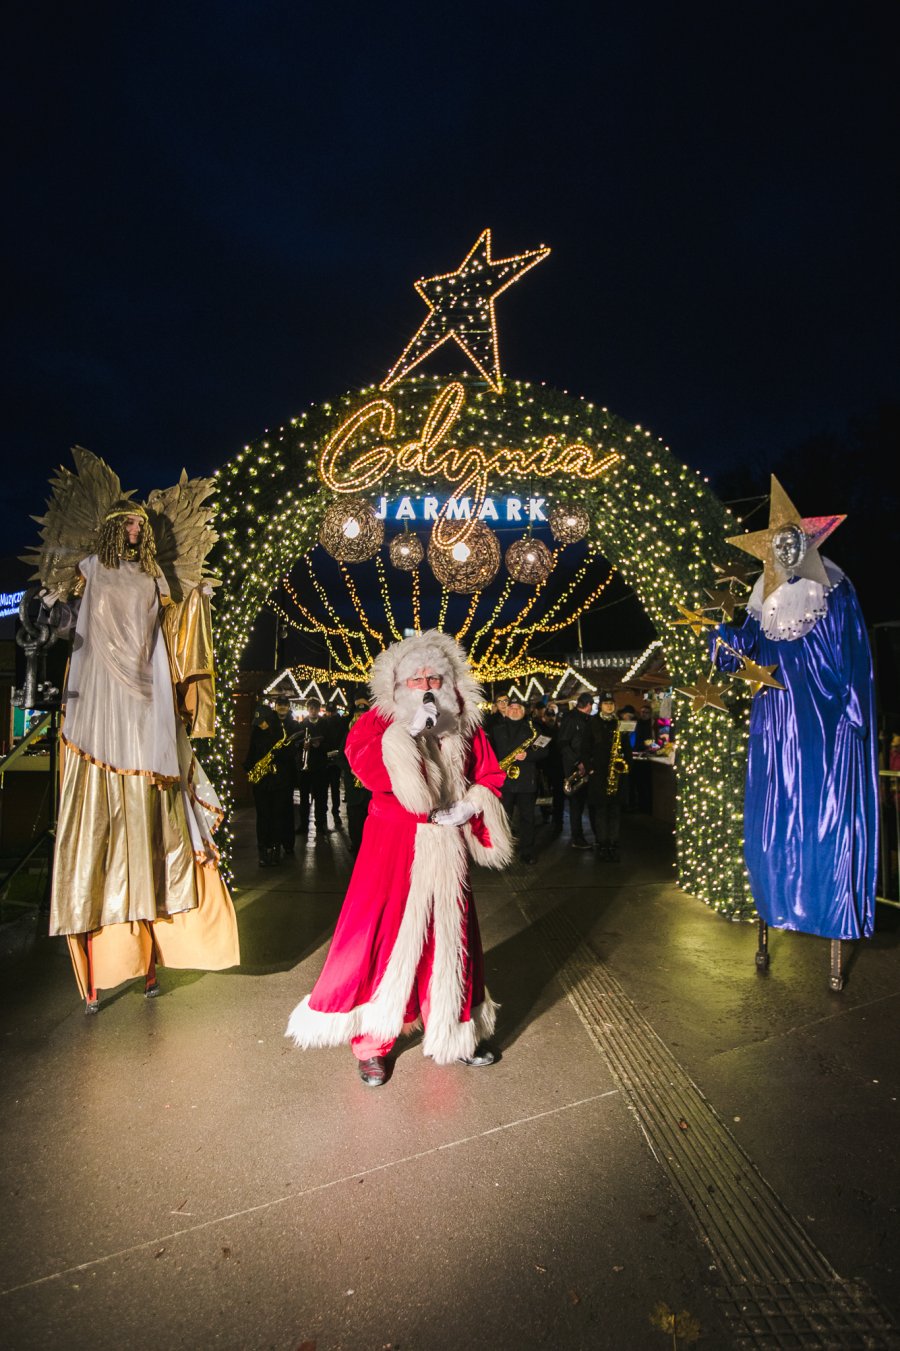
(762,951)
(91,1002)
(836,979)
(151,984)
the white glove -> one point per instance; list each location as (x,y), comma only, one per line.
(424,714)
(457,815)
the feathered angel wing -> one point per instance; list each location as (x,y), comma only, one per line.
(75,509)
(181,518)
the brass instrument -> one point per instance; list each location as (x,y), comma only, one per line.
(617,763)
(266,765)
(256,773)
(508,764)
(577,779)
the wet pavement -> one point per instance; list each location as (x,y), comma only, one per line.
(673,1149)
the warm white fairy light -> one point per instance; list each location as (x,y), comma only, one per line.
(651,517)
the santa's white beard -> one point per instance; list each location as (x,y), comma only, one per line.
(407,701)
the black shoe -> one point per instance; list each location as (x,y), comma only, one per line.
(152,991)
(274,855)
(581,844)
(264,861)
(373,1071)
(92,1006)
(483,1056)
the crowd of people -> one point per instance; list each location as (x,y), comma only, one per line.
(552,754)
(298,769)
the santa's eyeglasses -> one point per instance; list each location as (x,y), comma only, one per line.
(433,682)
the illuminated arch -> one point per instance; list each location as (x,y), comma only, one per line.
(652,517)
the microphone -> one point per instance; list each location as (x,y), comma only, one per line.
(429,699)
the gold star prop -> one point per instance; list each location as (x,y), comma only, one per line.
(696,621)
(735,573)
(782,512)
(461,306)
(758,676)
(703,694)
(723,600)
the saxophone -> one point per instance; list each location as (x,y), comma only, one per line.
(508,764)
(617,763)
(266,765)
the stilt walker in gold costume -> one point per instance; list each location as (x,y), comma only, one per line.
(135,875)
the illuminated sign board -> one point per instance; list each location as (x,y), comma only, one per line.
(500,510)
(350,463)
(9,603)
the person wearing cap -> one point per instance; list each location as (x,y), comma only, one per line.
(312,761)
(273,794)
(511,737)
(608,765)
(497,714)
(574,745)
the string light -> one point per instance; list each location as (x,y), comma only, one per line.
(652,518)
(461,307)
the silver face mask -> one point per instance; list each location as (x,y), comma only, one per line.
(789,545)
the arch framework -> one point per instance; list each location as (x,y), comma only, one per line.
(652,517)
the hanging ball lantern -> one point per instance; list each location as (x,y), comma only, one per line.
(569,523)
(406,551)
(350,530)
(528,560)
(469,563)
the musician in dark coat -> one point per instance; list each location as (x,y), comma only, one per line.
(520,789)
(312,760)
(574,747)
(273,794)
(608,764)
(336,729)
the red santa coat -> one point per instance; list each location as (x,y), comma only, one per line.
(409,900)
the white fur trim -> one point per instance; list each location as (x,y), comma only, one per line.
(431,648)
(403,762)
(436,879)
(491,808)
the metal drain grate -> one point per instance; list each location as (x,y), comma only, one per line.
(824,1316)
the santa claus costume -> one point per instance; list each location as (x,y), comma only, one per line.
(407,950)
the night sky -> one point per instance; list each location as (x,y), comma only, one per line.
(215,214)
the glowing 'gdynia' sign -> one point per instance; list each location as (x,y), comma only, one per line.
(350,463)
(501,510)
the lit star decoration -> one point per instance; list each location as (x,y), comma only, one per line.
(461,306)
(782,512)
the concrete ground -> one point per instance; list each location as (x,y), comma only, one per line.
(673,1150)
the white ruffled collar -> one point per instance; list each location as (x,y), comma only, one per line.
(794,608)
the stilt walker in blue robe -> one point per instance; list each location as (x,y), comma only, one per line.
(811,803)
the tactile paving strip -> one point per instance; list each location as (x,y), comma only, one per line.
(779,1290)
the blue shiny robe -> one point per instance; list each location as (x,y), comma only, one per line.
(811,802)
